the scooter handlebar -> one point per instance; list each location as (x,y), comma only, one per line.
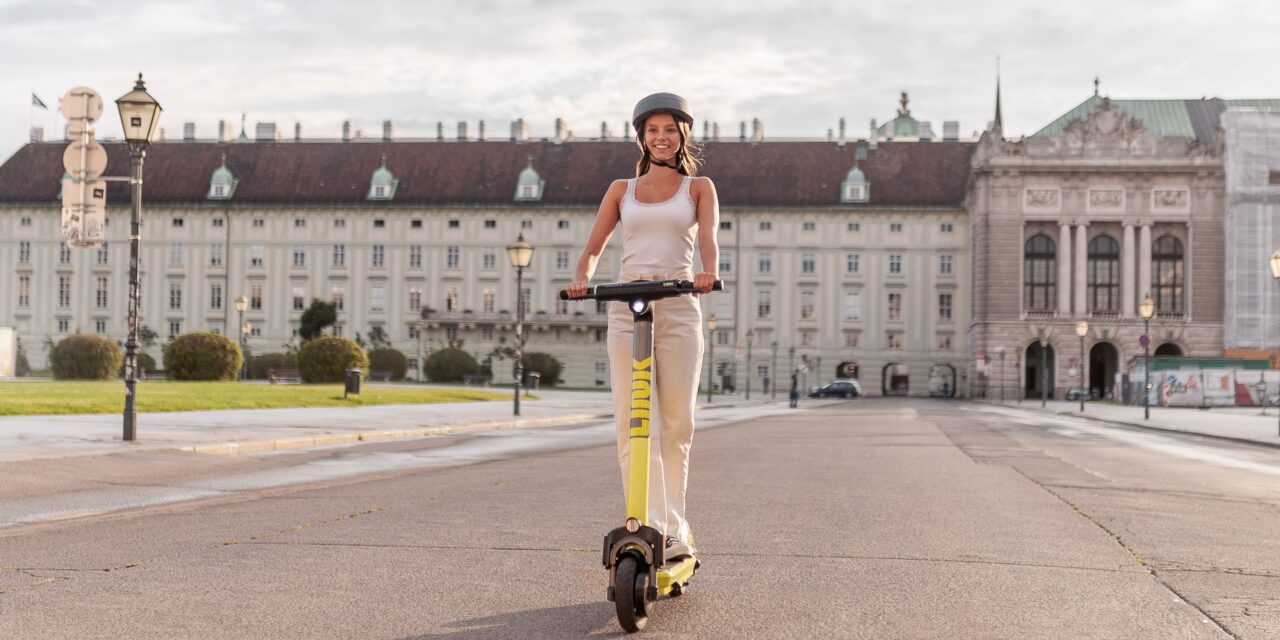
(647,289)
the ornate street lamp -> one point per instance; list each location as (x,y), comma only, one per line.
(773,372)
(242,303)
(750,338)
(711,362)
(1082,330)
(139,114)
(1275,273)
(1044,365)
(520,254)
(1000,351)
(420,326)
(1146,309)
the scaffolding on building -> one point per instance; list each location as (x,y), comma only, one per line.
(1251,318)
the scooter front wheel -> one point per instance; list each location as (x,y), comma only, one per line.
(631,584)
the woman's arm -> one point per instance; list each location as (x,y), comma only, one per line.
(601,230)
(708,208)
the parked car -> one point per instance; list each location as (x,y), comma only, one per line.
(842,388)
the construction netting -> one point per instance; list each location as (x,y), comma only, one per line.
(1252,229)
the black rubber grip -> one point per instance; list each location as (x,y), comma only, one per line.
(647,289)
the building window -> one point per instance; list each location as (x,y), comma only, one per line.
(806,305)
(177,223)
(451,256)
(377,297)
(764,304)
(851,261)
(851,340)
(415,299)
(337,329)
(339,255)
(562,307)
(451,300)
(100,326)
(339,223)
(295,330)
(339,299)
(1167,275)
(64,254)
(24,252)
(854,226)
(948,227)
(946,264)
(100,297)
(175,329)
(299,223)
(455,224)
(1039,274)
(764,262)
(415,256)
(562,260)
(853,305)
(64,325)
(255,330)
(24,291)
(526,224)
(726,262)
(726,225)
(379,255)
(809,226)
(175,254)
(562,224)
(175,296)
(256,254)
(895,227)
(766,225)
(413,331)
(1104,274)
(451,333)
(808,263)
(807,338)
(299,255)
(26,221)
(255,297)
(64,292)
(217,223)
(215,296)
(104,255)
(944,307)
(894,308)
(944,342)
(299,298)
(379,224)
(491,224)
(415,224)
(893,341)
(488,297)
(215,255)
(258,223)
(490,258)
(895,263)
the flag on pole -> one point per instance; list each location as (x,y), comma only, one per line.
(37,102)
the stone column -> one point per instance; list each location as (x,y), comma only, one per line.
(1064,268)
(1144,261)
(1081,264)
(1127,282)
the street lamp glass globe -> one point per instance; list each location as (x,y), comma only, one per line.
(711,323)
(242,303)
(247,328)
(1082,328)
(139,113)
(1147,308)
(521,253)
(1275,265)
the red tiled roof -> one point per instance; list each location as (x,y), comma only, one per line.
(781,173)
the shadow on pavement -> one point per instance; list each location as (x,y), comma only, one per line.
(577,620)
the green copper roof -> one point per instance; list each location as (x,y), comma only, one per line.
(1177,118)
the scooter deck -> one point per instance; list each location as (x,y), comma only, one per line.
(679,573)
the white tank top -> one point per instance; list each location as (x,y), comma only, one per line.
(658,238)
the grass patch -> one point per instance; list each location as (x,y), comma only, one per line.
(47,398)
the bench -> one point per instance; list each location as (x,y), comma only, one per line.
(482,378)
(384,376)
(284,375)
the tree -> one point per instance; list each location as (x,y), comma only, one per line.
(147,337)
(319,315)
(378,338)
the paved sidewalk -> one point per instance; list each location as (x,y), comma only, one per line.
(251,430)
(1231,423)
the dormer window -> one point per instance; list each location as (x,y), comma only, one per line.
(855,187)
(382,185)
(855,193)
(529,185)
(222,184)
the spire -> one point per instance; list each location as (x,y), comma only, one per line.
(1096,82)
(999,118)
(243,133)
(903,101)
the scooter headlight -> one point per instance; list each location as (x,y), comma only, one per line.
(639,306)
(633,525)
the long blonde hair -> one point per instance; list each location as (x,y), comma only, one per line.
(688,156)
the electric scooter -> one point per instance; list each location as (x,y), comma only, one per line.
(634,552)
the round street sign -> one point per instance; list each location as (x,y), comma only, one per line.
(94,155)
(1144,340)
(81,103)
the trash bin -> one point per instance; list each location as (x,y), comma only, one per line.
(352,382)
(532,380)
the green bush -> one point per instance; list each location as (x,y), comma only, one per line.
(202,355)
(545,365)
(390,360)
(449,365)
(326,359)
(258,365)
(85,357)
(145,363)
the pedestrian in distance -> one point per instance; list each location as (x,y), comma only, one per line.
(795,388)
(663,212)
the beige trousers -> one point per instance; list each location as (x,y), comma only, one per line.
(677,342)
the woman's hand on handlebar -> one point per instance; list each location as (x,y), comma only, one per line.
(577,289)
(704,281)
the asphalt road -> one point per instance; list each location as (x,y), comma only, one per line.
(862,519)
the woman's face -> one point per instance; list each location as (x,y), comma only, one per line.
(662,137)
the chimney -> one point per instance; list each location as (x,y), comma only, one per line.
(346,131)
(604,130)
(37,134)
(519,130)
(950,130)
(297,132)
(706,130)
(462,131)
(715,131)
(872,139)
(439,131)
(842,134)
(188,131)
(265,132)
(480,131)
(757,130)
(222,130)
(831,135)
(560,130)
(628,130)
(926,131)
(742,131)
(386,130)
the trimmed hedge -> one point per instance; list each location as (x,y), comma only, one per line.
(326,359)
(86,357)
(390,360)
(449,365)
(202,355)
(258,365)
(546,365)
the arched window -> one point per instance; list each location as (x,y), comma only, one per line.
(1039,274)
(1104,275)
(1166,265)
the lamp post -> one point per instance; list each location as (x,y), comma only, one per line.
(139,113)
(750,338)
(773,372)
(420,326)
(1044,366)
(245,329)
(711,362)
(1275,273)
(1000,350)
(791,359)
(1082,329)
(242,303)
(1146,309)
(520,254)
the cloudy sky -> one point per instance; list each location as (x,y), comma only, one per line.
(797,65)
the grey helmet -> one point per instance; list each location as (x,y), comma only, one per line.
(661,102)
